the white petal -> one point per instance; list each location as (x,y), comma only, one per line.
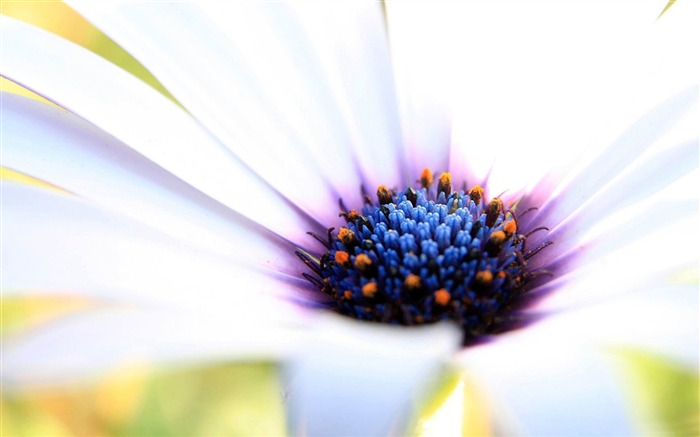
(62,149)
(616,158)
(638,264)
(355,378)
(535,79)
(264,92)
(60,244)
(81,347)
(425,79)
(636,185)
(560,376)
(659,318)
(143,119)
(550,385)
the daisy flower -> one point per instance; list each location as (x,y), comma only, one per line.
(451,167)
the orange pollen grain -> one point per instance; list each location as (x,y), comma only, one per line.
(412,282)
(353,216)
(484,277)
(362,262)
(442,297)
(426,178)
(509,228)
(445,184)
(347,294)
(497,237)
(476,194)
(369,290)
(495,205)
(346,236)
(383,194)
(501,274)
(342,258)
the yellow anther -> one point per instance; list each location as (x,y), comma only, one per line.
(342,258)
(346,236)
(445,184)
(369,290)
(426,178)
(412,282)
(362,262)
(509,228)
(476,194)
(352,216)
(493,210)
(497,237)
(484,278)
(442,297)
(384,195)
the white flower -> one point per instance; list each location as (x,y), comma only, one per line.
(191,217)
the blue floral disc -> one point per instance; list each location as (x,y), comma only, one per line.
(423,255)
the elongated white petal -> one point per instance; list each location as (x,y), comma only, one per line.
(561,375)
(616,158)
(660,318)
(66,151)
(550,385)
(84,346)
(254,96)
(144,120)
(424,68)
(638,184)
(535,80)
(57,243)
(352,378)
(636,265)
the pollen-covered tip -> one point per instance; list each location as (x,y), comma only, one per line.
(445,184)
(442,297)
(346,236)
(426,178)
(476,194)
(496,239)
(342,258)
(484,278)
(352,216)
(383,195)
(509,228)
(493,210)
(412,282)
(369,290)
(362,262)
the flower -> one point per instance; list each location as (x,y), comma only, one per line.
(290,107)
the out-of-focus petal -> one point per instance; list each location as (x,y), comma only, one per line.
(560,376)
(353,378)
(140,117)
(638,264)
(546,383)
(425,77)
(61,244)
(84,346)
(534,79)
(335,114)
(616,158)
(638,184)
(67,152)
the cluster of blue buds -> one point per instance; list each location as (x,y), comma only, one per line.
(423,255)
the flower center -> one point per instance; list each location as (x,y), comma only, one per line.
(423,255)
